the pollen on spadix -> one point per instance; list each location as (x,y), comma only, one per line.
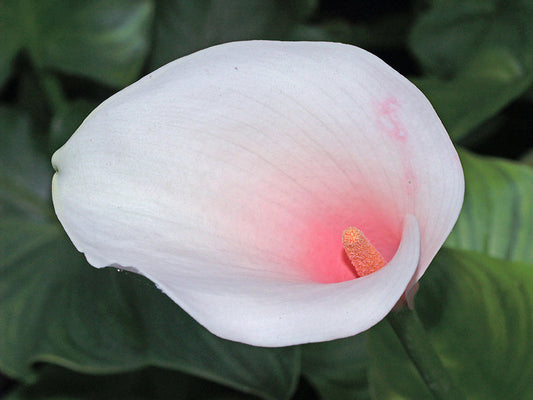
(364,257)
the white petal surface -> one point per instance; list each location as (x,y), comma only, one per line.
(279,312)
(228,176)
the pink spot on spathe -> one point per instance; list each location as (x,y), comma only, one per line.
(388,119)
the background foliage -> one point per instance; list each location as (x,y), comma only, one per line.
(69,331)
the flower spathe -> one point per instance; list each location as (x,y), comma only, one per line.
(227,177)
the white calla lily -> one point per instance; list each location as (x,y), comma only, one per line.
(228,176)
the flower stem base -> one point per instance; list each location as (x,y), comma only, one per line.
(412,335)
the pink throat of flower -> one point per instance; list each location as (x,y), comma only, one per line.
(362,254)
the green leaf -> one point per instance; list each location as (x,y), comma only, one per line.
(337,369)
(68,118)
(103,40)
(497,215)
(149,384)
(11,38)
(25,173)
(183,27)
(478,312)
(450,33)
(488,83)
(479,57)
(57,309)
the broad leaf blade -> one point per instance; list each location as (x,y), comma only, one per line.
(490,81)
(67,120)
(25,173)
(450,33)
(12,37)
(478,56)
(184,27)
(497,214)
(337,369)
(479,315)
(103,40)
(105,321)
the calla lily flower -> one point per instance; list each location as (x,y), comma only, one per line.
(228,177)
